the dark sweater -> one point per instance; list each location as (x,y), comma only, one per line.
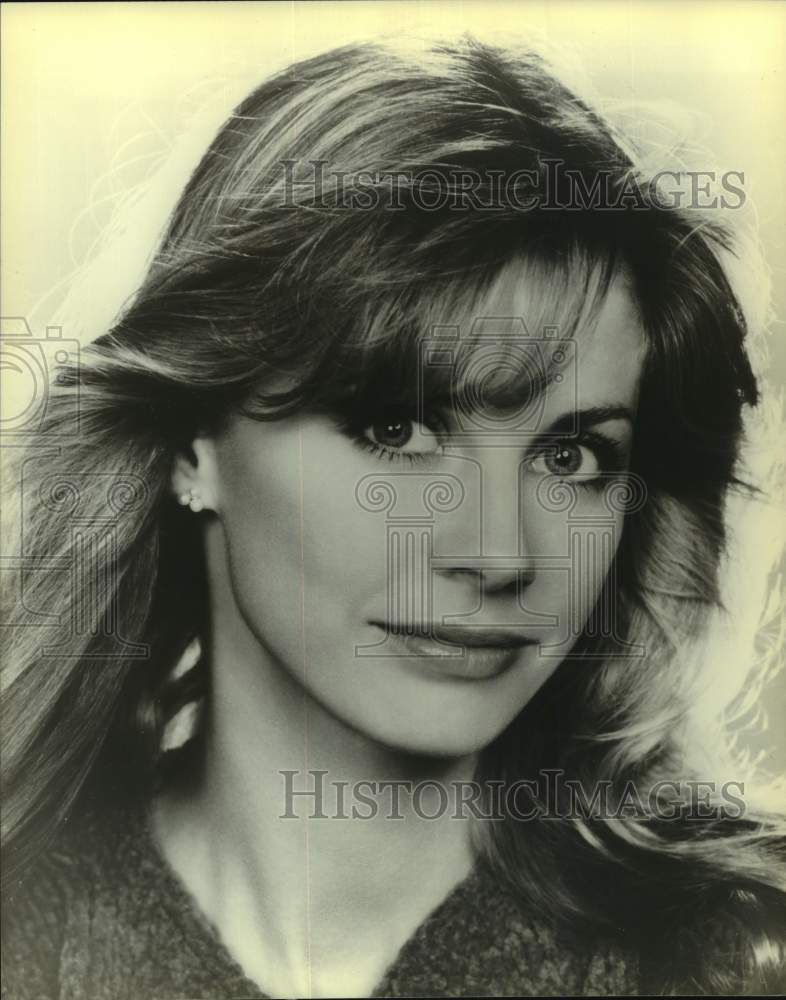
(104,917)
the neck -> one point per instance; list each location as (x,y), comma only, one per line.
(306,871)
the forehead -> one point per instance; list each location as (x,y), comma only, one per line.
(525,315)
(610,354)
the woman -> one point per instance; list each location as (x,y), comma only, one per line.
(355,478)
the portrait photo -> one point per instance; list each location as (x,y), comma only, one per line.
(393,499)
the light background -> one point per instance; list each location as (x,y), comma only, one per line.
(95,97)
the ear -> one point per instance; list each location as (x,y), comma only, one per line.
(195,469)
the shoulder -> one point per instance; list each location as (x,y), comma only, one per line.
(101,916)
(54,912)
(34,908)
(483,941)
(725,949)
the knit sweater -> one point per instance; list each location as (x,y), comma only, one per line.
(104,917)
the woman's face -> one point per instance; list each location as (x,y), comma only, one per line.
(331,540)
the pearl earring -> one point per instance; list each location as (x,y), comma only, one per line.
(191,499)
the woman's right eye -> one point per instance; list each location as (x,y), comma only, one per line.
(394,435)
(402,434)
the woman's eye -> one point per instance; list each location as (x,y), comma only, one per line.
(402,434)
(567,459)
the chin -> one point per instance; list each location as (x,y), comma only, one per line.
(437,738)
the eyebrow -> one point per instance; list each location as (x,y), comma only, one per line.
(567,422)
(590,416)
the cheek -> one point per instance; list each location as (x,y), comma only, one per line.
(259,505)
(259,515)
(299,547)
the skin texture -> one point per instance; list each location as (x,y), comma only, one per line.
(298,574)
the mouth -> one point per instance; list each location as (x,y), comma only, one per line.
(459,652)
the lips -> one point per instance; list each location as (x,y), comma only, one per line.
(462,635)
(478,653)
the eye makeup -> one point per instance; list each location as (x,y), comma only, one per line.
(393,434)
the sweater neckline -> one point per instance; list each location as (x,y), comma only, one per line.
(180,904)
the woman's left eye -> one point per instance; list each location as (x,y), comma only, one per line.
(567,458)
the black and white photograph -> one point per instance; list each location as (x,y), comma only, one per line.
(393,499)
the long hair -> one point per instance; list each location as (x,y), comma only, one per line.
(327,228)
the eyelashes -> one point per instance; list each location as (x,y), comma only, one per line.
(582,459)
(392,455)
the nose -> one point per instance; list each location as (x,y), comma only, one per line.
(488,540)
